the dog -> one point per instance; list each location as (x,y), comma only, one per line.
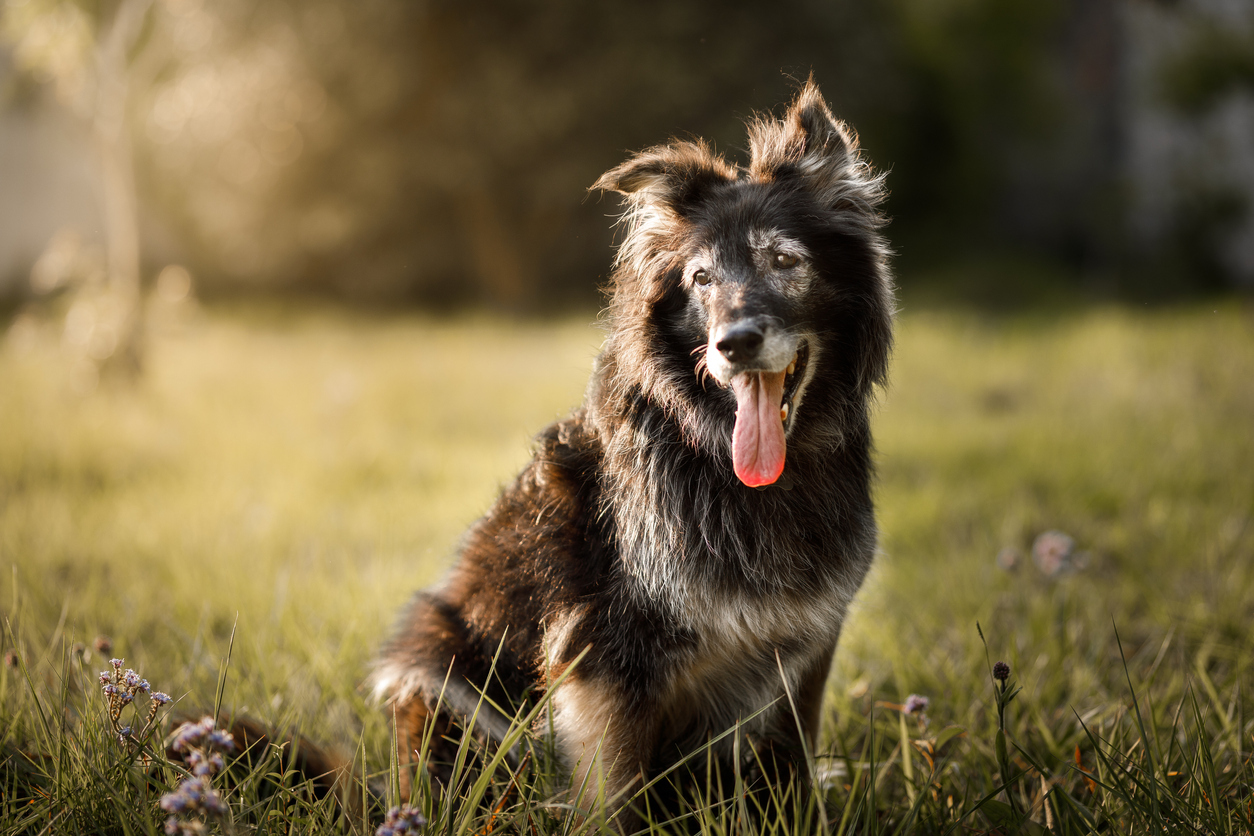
(694,533)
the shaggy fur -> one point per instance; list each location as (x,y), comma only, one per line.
(635,531)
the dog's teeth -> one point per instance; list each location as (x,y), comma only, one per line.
(792,367)
(783,413)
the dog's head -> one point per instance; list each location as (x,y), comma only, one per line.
(771,279)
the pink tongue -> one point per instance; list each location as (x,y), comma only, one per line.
(758,439)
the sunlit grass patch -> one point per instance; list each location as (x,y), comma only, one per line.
(306,472)
(293,476)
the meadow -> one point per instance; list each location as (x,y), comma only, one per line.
(244,521)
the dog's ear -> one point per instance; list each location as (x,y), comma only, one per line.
(669,175)
(812,144)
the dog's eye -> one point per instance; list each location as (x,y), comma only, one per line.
(701,277)
(783,261)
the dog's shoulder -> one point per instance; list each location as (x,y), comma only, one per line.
(541,533)
(568,449)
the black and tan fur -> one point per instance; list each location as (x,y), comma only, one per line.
(629,534)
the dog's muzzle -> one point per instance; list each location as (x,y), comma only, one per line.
(749,344)
(763,366)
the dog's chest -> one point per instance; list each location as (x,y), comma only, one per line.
(760,584)
(750,651)
(743,666)
(716,552)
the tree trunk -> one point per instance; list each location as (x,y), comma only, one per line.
(111,130)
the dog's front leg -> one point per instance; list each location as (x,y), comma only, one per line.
(784,753)
(606,741)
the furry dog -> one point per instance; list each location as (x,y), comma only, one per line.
(701,523)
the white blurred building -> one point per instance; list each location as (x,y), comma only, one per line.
(49,181)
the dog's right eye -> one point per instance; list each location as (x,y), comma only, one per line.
(701,277)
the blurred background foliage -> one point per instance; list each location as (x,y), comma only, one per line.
(391,151)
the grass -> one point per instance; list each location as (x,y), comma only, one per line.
(279,481)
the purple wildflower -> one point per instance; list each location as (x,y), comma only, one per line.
(402,821)
(185,737)
(177,801)
(194,795)
(205,766)
(193,740)
(199,764)
(212,803)
(117,663)
(1001,671)
(174,826)
(191,734)
(1053,551)
(193,789)
(916,704)
(223,740)
(160,697)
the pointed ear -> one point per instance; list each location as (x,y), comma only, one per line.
(669,175)
(808,142)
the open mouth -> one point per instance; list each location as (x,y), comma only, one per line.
(795,373)
(766,404)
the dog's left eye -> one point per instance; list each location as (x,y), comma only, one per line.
(783,261)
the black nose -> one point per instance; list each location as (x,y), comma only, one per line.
(741,343)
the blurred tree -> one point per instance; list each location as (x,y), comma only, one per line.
(1214,63)
(439,151)
(88,50)
(980,104)
(436,151)
(1192,147)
